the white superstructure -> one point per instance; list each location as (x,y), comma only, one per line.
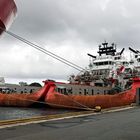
(108,68)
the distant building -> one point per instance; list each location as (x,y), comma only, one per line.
(2,81)
(23,84)
(22,87)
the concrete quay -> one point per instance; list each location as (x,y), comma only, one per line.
(122,124)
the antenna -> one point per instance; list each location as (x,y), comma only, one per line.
(122,51)
(91,55)
(134,51)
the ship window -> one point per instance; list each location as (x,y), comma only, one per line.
(96,64)
(138,59)
(99,84)
(31,90)
(92,91)
(59,90)
(131,62)
(69,91)
(85,91)
(125,63)
(65,91)
(62,90)
(117,58)
(80,91)
(106,63)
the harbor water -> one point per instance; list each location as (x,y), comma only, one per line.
(10,113)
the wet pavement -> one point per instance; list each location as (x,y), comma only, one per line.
(123,125)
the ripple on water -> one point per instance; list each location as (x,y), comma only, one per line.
(7,113)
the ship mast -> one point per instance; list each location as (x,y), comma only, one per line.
(107,50)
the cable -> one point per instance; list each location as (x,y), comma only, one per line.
(44,51)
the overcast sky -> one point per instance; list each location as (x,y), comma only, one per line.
(69,28)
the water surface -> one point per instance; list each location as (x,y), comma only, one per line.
(8,113)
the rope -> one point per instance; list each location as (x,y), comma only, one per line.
(52,55)
(69,98)
(44,50)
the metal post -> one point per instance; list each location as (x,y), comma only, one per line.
(138,96)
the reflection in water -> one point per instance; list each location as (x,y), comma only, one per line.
(8,113)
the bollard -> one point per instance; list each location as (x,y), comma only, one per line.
(98,108)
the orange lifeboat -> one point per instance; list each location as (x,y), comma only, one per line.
(56,99)
(8,11)
(25,99)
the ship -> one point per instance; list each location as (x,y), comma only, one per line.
(110,81)
(24,99)
(89,102)
(108,72)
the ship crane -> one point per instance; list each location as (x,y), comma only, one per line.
(122,51)
(91,55)
(136,54)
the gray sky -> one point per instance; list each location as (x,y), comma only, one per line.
(69,28)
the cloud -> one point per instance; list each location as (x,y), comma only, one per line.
(69,28)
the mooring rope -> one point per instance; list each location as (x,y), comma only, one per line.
(70,98)
(63,60)
(53,104)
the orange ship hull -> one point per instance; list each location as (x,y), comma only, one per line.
(56,99)
(8,11)
(25,99)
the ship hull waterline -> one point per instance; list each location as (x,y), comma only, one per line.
(49,96)
(24,99)
(55,99)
